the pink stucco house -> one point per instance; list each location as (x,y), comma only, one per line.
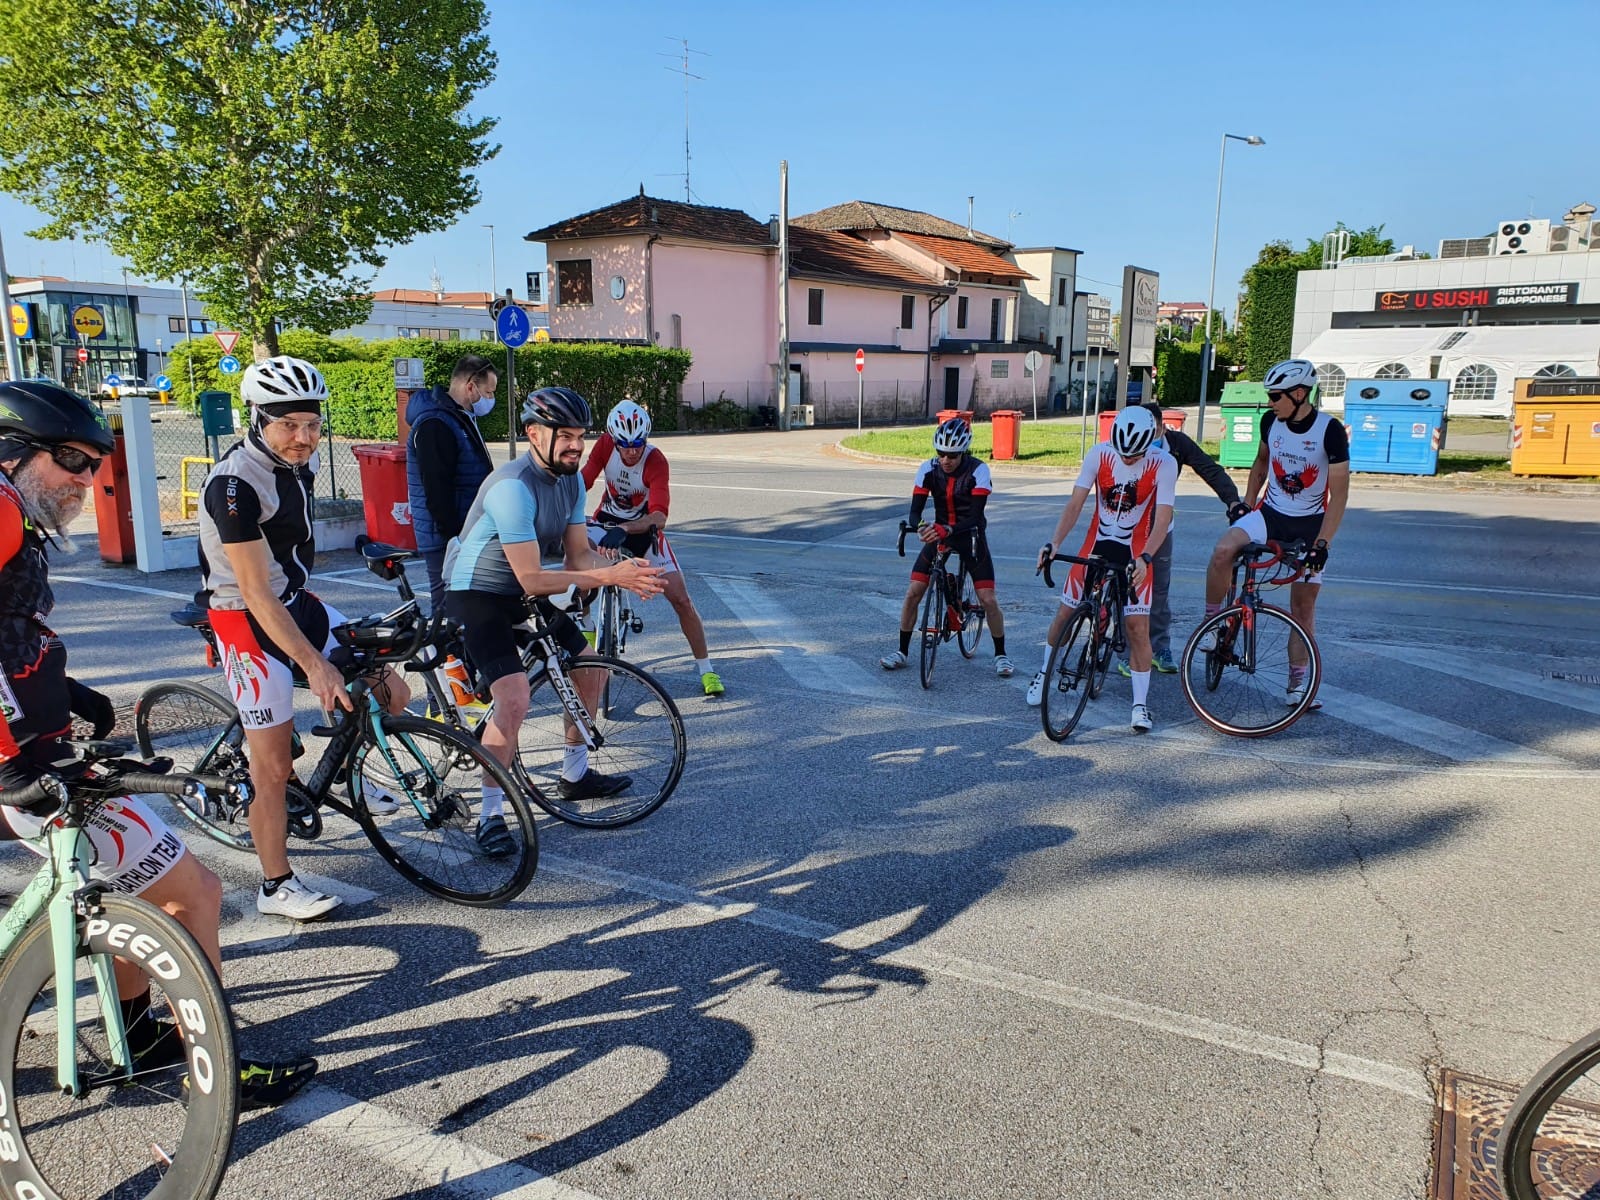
(933,304)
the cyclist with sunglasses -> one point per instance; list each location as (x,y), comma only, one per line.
(51,444)
(959,484)
(256,550)
(633,515)
(1304,464)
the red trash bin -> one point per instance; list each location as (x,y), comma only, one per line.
(384,496)
(1007,427)
(944,414)
(1107,420)
(1174,418)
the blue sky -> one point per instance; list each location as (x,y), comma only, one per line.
(1098,124)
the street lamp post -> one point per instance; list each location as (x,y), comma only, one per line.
(1211,291)
(494,282)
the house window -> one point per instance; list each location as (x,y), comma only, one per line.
(997,309)
(486,335)
(431,335)
(1061,293)
(201,325)
(574,282)
(174,324)
(1058,349)
(908,311)
(1330,381)
(1474,384)
(1392,371)
(1000,369)
(961,312)
(1555,371)
(813,306)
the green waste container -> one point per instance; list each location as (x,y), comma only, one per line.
(1242,406)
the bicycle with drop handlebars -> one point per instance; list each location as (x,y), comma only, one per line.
(950,608)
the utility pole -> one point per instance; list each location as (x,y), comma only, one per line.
(783,295)
(13,357)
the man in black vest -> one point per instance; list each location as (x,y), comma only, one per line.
(447,460)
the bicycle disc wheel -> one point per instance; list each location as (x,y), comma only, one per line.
(1068,678)
(1241,688)
(931,627)
(141,1136)
(640,735)
(200,731)
(437,774)
(1550,1144)
(972,615)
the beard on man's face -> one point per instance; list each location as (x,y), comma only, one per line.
(53,506)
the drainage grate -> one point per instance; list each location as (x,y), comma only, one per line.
(1467,1123)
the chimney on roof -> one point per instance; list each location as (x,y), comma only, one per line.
(772,227)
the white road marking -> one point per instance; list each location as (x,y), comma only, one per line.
(1520,683)
(1402,1080)
(434,1160)
(120,587)
(788,491)
(776,630)
(1426,733)
(371,584)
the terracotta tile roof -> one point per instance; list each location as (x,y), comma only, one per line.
(964,256)
(423,296)
(822,254)
(863,214)
(649,214)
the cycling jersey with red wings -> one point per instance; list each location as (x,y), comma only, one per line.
(631,492)
(1126,494)
(1299,454)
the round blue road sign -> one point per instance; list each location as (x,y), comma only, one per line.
(512,326)
(163,383)
(228,365)
(113,380)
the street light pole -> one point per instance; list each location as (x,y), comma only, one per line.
(1211,291)
(494,281)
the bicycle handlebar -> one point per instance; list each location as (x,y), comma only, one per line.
(1271,554)
(1084,560)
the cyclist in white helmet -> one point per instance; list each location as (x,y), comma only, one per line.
(1134,481)
(1304,464)
(633,515)
(960,485)
(256,550)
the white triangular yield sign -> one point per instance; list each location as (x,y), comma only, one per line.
(225,339)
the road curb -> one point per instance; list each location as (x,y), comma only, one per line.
(1402,483)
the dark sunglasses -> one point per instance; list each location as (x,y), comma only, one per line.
(71,460)
(1274,397)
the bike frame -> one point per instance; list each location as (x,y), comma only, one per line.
(1247,596)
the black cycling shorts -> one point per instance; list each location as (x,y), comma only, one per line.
(489,623)
(974,551)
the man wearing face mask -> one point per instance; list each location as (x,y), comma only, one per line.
(447,460)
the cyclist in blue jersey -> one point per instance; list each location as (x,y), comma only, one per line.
(527,511)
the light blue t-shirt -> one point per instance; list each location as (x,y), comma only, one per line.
(519,502)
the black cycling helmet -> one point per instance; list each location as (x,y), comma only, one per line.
(33,415)
(557,407)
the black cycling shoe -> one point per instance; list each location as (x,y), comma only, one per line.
(266,1085)
(155,1044)
(594,786)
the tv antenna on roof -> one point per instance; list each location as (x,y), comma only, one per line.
(683,66)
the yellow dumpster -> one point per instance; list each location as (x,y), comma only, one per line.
(1555,427)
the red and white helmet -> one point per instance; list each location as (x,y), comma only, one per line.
(628,425)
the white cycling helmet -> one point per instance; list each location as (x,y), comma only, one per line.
(1133,431)
(628,424)
(1290,373)
(283,385)
(953,437)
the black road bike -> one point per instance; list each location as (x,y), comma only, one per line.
(1094,634)
(950,609)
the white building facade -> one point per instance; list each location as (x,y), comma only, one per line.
(1490,314)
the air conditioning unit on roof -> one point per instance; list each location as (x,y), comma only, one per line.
(1479,247)
(1594,234)
(1522,236)
(1563,238)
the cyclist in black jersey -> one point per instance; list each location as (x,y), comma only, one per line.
(959,484)
(256,550)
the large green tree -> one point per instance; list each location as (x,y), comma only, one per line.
(1266,304)
(266,152)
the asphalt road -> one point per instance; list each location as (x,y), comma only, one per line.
(888,942)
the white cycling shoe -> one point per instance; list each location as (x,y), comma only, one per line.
(1142,721)
(1003,667)
(1036,690)
(892,661)
(295,900)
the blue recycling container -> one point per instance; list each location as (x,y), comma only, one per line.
(1396,426)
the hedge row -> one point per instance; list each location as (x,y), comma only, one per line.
(360,376)
(1270,333)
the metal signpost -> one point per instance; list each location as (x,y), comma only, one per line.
(512,327)
(861,366)
(1032,360)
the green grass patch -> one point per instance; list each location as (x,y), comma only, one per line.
(1472,426)
(1046,443)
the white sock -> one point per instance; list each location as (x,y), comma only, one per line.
(1045,665)
(575,763)
(702,665)
(1141,686)
(494,802)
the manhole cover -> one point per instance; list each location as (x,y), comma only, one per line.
(1469,1119)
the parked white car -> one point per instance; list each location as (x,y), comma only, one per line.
(131,385)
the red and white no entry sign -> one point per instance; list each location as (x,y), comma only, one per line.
(861,361)
(83,354)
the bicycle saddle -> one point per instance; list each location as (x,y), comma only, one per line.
(191,616)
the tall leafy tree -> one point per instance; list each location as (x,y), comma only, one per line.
(266,152)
